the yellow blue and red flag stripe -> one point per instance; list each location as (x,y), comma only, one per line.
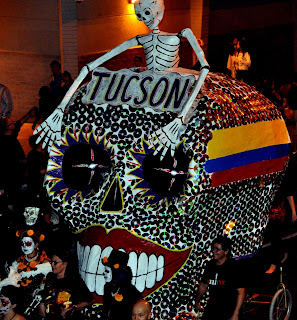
(247,151)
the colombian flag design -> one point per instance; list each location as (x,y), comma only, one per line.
(247,151)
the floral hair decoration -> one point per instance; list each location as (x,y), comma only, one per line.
(116,260)
(30,233)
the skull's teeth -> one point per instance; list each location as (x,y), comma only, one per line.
(146,270)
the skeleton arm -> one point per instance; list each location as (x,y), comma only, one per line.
(168,136)
(187,33)
(50,129)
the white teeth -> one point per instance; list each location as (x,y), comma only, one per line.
(132,263)
(92,267)
(146,270)
(141,272)
(151,276)
(85,262)
(79,255)
(160,269)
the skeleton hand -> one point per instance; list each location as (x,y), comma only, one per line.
(12,279)
(50,129)
(167,137)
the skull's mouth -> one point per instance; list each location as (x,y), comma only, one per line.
(149,23)
(152,265)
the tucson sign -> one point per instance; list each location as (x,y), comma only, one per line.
(163,91)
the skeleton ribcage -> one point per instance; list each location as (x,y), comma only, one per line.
(161,51)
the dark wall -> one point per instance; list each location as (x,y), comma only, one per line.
(267,26)
(271,50)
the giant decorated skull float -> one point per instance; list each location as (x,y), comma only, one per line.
(159,182)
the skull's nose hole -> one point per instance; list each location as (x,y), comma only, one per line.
(85,166)
(166,177)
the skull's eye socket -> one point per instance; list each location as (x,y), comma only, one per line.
(166,177)
(138,15)
(85,166)
(147,13)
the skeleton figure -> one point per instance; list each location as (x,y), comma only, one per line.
(161,52)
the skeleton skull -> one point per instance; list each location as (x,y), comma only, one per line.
(107,184)
(150,12)
(31,215)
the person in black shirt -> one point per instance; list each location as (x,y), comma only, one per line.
(65,294)
(12,163)
(119,293)
(221,278)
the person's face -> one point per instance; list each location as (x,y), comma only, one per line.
(141,312)
(28,245)
(65,78)
(58,266)
(5,305)
(235,43)
(55,69)
(218,253)
(107,274)
(137,62)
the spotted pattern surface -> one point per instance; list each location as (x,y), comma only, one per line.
(194,216)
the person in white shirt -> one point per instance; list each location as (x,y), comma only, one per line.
(239,62)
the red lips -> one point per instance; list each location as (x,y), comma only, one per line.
(123,239)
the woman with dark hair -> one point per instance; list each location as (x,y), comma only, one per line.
(33,266)
(9,299)
(242,61)
(65,293)
(239,62)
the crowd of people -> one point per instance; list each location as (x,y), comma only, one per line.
(38,268)
(38,264)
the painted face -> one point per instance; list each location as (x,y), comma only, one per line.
(105,181)
(107,274)
(150,12)
(28,245)
(5,305)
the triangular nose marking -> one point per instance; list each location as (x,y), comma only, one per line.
(113,200)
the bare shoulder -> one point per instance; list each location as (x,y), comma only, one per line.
(19,317)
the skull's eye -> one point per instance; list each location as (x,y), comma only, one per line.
(138,15)
(166,177)
(147,13)
(85,166)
